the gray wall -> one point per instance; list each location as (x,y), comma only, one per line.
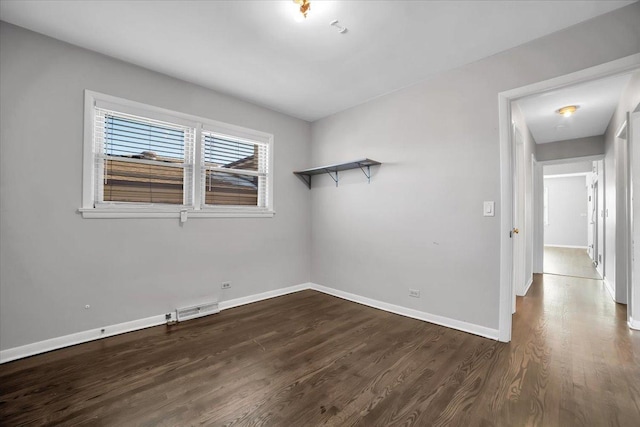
(570,148)
(567,211)
(53,262)
(419,224)
(614,179)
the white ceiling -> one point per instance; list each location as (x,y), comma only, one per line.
(597,100)
(255,50)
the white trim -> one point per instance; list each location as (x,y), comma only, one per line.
(634,324)
(527,286)
(171,213)
(566,175)
(79,338)
(622,131)
(134,325)
(121,328)
(505,303)
(607,285)
(566,246)
(224,305)
(408,312)
(569,160)
(505,98)
(538,218)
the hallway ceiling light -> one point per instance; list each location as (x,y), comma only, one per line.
(305,6)
(568,110)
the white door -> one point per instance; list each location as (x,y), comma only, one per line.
(518,218)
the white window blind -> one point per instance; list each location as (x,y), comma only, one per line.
(235,171)
(139,160)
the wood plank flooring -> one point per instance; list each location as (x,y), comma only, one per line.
(569,262)
(309,359)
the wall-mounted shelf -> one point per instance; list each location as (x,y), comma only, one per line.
(332,170)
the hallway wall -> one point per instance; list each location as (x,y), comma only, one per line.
(614,179)
(567,206)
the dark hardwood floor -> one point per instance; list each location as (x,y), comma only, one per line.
(312,359)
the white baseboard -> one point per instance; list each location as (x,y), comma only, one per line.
(121,328)
(609,288)
(79,338)
(566,246)
(224,305)
(528,285)
(408,312)
(634,324)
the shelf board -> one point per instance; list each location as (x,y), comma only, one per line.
(306,174)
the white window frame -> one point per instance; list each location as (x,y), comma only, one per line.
(197,209)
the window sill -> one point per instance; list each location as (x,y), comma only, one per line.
(171,213)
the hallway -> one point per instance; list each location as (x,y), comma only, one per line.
(576,360)
(569,262)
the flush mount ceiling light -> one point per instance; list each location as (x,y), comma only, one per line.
(305,6)
(568,110)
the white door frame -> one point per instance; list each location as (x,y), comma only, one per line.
(506,167)
(538,215)
(623,220)
(601,238)
(633,291)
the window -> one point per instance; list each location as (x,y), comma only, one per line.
(143,161)
(140,160)
(234,171)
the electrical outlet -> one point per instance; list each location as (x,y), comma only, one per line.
(225,285)
(414,293)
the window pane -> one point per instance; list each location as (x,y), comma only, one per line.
(142,183)
(223,188)
(225,153)
(142,160)
(137,139)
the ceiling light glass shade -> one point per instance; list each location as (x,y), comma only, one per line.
(568,110)
(305,6)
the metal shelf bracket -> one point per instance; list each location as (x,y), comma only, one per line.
(367,173)
(306,179)
(336,179)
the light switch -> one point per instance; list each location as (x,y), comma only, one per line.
(489,208)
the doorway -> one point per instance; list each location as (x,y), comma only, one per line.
(570,219)
(507,147)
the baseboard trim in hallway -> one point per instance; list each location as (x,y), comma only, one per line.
(609,288)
